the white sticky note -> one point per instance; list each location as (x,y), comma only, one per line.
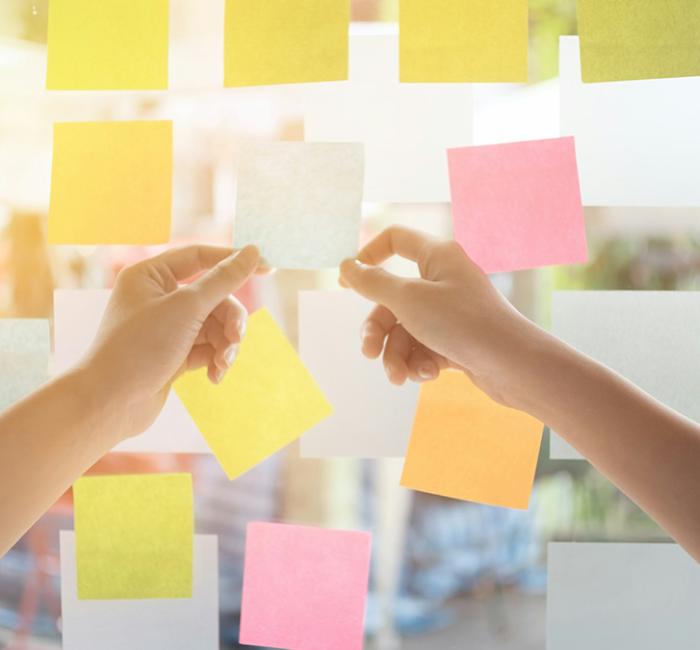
(77,315)
(300,203)
(156,624)
(406,128)
(637,142)
(372,418)
(24,358)
(622,596)
(649,337)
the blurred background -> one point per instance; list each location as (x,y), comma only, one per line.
(446,574)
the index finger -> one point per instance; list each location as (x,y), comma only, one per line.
(396,240)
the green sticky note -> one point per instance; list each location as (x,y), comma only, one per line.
(266,400)
(134,536)
(632,39)
(107,45)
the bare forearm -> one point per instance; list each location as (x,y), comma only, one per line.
(648,450)
(46,442)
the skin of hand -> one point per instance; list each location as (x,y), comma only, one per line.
(152,331)
(453,316)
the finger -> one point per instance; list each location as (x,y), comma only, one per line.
(225,278)
(375,329)
(423,364)
(372,282)
(186,261)
(397,350)
(396,240)
(232,316)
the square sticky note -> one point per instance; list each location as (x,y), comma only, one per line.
(629,39)
(466,446)
(133,536)
(111,183)
(77,315)
(637,142)
(463,40)
(300,203)
(107,45)
(405,128)
(24,357)
(378,414)
(285,41)
(267,399)
(649,337)
(518,205)
(153,624)
(640,596)
(304,588)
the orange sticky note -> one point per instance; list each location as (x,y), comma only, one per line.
(466,446)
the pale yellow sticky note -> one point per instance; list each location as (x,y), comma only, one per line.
(111,183)
(133,536)
(267,399)
(285,41)
(466,446)
(628,39)
(463,40)
(107,45)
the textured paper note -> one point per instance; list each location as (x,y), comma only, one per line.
(641,596)
(518,205)
(304,587)
(133,536)
(628,39)
(637,142)
(405,127)
(77,315)
(285,41)
(300,203)
(156,624)
(111,183)
(24,358)
(463,40)
(107,45)
(646,336)
(466,446)
(267,399)
(378,414)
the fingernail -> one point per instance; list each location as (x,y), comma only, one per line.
(230,355)
(219,375)
(241,327)
(426,372)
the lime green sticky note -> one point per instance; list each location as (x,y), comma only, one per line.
(133,536)
(285,41)
(463,40)
(266,401)
(111,183)
(628,39)
(107,45)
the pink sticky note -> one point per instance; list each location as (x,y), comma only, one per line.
(518,205)
(304,588)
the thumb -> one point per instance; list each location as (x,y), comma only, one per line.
(372,282)
(226,277)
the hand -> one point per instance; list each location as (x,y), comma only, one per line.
(154,329)
(451,317)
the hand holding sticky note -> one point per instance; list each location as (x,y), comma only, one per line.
(133,536)
(266,400)
(466,446)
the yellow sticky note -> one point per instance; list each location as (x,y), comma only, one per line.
(463,40)
(266,401)
(285,41)
(133,536)
(466,446)
(111,183)
(107,45)
(629,39)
